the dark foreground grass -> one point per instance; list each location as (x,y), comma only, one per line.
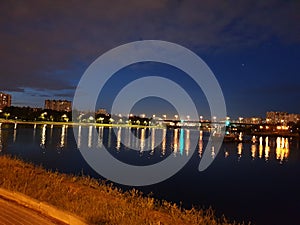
(96,202)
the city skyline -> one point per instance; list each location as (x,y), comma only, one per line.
(270,117)
(251,47)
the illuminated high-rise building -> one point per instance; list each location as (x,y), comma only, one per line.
(5,100)
(58,105)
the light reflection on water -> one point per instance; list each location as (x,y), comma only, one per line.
(237,169)
(281,150)
(175,141)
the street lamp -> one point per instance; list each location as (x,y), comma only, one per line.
(43,115)
(65,118)
(6,115)
(240,119)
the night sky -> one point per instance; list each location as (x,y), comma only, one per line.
(253,48)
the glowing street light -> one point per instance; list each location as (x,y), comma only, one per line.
(6,115)
(165,116)
(176,117)
(100,119)
(43,115)
(65,118)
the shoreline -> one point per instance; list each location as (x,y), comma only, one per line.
(94,201)
(74,124)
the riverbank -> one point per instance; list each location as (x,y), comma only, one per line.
(74,124)
(95,202)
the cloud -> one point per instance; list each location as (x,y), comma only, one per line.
(39,38)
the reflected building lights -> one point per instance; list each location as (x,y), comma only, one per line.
(226,153)
(267,149)
(164,140)
(282,149)
(34,131)
(90,137)
(109,138)
(200,144)
(282,142)
(241,136)
(148,138)
(15,135)
(119,139)
(213,153)
(153,139)
(51,133)
(253,151)
(129,135)
(66,135)
(261,147)
(181,142)
(137,139)
(79,137)
(287,145)
(100,137)
(62,137)
(261,141)
(240,150)
(43,137)
(187,142)
(260,151)
(151,143)
(134,137)
(175,141)
(142,142)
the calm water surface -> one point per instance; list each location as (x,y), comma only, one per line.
(257,182)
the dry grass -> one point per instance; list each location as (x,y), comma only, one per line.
(96,202)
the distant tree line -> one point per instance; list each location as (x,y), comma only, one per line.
(35,114)
(39,114)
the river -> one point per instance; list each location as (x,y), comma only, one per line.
(257,182)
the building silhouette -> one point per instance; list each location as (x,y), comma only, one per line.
(5,100)
(58,105)
(281,117)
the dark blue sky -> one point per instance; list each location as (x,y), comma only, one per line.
(253,48)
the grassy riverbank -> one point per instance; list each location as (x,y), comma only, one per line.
(96,202)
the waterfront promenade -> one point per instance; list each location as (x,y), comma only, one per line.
(13,213)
